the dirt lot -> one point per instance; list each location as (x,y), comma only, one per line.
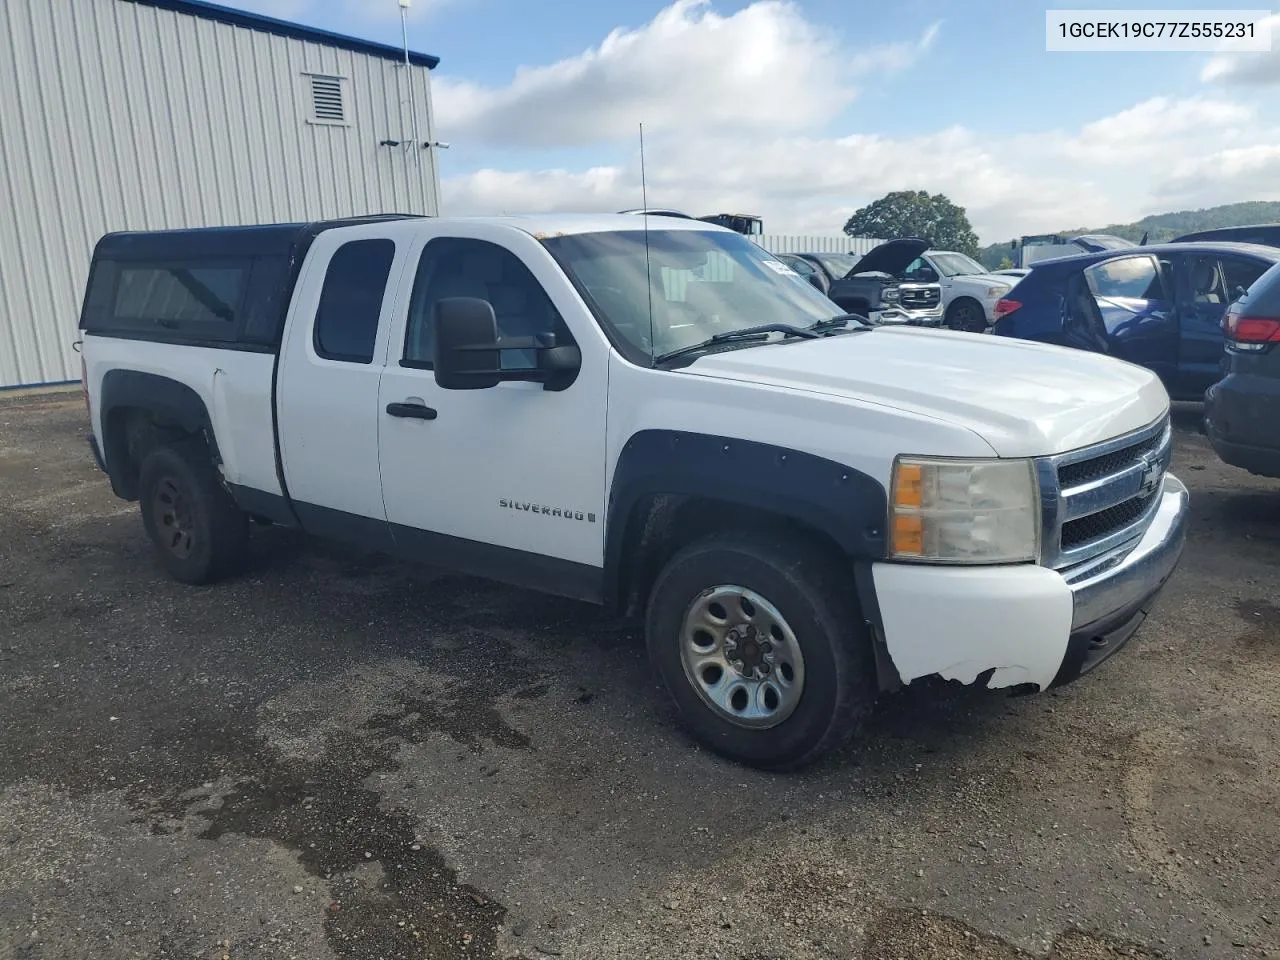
(335,756)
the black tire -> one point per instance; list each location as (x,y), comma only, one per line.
(200,535)
(816,600)
(967,315)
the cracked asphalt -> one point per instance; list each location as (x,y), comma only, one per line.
(336,756)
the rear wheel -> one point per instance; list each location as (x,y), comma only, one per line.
(199,533)
(762,648)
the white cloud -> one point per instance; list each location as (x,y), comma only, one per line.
(690,69)
(745,133)
(1009,186)
(1149,130)
(798,184)
(1248,68)
(1242,173)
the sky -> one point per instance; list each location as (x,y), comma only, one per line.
(801,111)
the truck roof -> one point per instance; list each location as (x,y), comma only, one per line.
(259,239)
(552,224)
(249,240)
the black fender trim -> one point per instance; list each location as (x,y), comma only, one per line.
(887,675)
(171,399)
(849,506)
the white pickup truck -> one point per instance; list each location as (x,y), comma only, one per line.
(970,291)
(658,417)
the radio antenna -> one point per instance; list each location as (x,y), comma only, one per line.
(648,278)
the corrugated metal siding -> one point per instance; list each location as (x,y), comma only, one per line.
(120,116)
(838,243)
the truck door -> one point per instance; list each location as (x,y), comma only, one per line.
(507,481)
(327,386)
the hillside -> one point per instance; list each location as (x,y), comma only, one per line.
(1163,227)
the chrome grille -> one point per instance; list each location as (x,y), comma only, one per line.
(919,298)
(1099,498)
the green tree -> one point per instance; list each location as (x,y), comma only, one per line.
(916,213)
(1005,263)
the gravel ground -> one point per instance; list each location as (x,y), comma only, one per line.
(339,756)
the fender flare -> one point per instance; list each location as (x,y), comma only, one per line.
(171,399)
(849,506)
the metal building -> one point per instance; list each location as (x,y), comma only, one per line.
(152,114)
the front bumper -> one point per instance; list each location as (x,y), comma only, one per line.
(916,318)
(1110,602)
(1007,626)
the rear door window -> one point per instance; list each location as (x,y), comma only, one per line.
(1204,276)
(350,305)
(1237,273)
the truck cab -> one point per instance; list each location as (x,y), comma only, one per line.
(662,419)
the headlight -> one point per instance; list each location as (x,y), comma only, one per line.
(964,511)
(998,290)
(890,293)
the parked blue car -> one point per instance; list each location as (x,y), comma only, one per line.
(1159,306)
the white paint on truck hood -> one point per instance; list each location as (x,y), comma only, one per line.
(1024,399)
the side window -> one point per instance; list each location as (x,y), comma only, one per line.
(919,271)
(351,300)
(1126,277)
(1238,272)
(1205,281)
(180,296)
(458,267)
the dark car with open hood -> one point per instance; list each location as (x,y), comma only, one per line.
(874,285)
(1242,410)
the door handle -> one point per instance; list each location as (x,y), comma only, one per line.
(413,411)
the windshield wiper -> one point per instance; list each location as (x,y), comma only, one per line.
(759,332)
(841,320)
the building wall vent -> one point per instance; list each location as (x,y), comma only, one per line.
(326,100)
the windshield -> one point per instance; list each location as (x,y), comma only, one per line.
(700,283)
(956,264)
(837,264)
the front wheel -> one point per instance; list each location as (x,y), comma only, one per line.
(762,648)
(967,315)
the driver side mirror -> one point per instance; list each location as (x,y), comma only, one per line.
(468,351)
(1238,292)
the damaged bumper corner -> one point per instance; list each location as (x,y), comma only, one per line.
(1026,624)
